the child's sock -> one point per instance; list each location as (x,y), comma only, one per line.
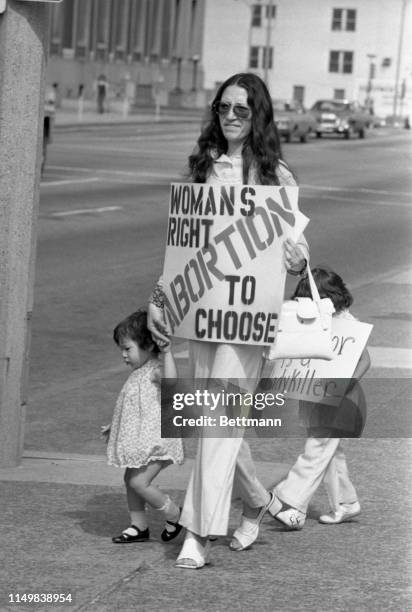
(138,519)
(170,511)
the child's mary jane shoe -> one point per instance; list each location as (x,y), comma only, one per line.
(132,534)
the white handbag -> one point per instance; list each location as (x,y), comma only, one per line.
(305,328)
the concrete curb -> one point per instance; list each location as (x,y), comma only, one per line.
(77,469)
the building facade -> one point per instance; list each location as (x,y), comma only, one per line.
(180,50)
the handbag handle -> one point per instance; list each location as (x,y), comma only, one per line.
(316,297)
(313,288)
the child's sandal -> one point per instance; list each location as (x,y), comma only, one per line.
(141,535)
(171,530)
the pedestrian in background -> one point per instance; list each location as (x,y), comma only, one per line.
(134,437)
(323,457)
(101,87)
(239,144)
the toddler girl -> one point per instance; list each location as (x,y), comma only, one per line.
(134,435)
(323,457)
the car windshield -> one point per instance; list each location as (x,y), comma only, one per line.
(330,105)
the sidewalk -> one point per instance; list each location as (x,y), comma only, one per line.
(59,512)
(70,117)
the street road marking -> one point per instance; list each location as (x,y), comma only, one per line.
(404,278)
(356,200)
(114,149)
(388,357)
(355,190)
(381,357)
(91,179)
(86,211)
(136,174)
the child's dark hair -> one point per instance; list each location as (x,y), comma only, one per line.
(329,285)
(135,327)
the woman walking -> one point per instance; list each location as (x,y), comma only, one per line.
(238,145)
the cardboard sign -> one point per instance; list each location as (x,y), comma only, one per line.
(224,271)
(318,380)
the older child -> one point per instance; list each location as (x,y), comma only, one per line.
(135,441)
(323,457)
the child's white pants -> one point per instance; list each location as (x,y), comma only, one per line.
(322,459)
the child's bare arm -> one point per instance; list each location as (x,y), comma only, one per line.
(169,365)
(362,367)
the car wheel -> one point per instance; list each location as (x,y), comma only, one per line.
(318,134)
(362,132)
(288,137)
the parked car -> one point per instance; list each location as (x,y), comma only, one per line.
(293,120)
(341,117)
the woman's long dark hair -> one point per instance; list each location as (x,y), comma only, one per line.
(261,150)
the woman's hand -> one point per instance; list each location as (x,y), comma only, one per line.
(295,260)
(157,326)
(105,432)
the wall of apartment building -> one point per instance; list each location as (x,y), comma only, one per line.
(302,39)
(194,45)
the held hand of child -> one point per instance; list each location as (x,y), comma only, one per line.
(105,432)
(294,260)
(157,325)
(164,347)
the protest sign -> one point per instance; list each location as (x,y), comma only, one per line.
(224,271)
(319,380)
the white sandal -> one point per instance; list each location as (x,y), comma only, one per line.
(247,532)
(193,555)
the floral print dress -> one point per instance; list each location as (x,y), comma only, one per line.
(136,425)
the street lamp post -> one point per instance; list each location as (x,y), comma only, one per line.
(369,87)
(399,59)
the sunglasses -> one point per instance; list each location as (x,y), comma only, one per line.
(240,111)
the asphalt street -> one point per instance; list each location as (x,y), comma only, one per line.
(101,231)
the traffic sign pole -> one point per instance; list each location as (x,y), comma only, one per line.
(23,46)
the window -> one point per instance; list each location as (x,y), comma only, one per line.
(334,61)
(256,16)
(254,57)
(259,58)
(347,62)
(350,20)
(68,20)
(337,19)
(341,61)
(267,62)
(344,19)
(299,93)
(338,94)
